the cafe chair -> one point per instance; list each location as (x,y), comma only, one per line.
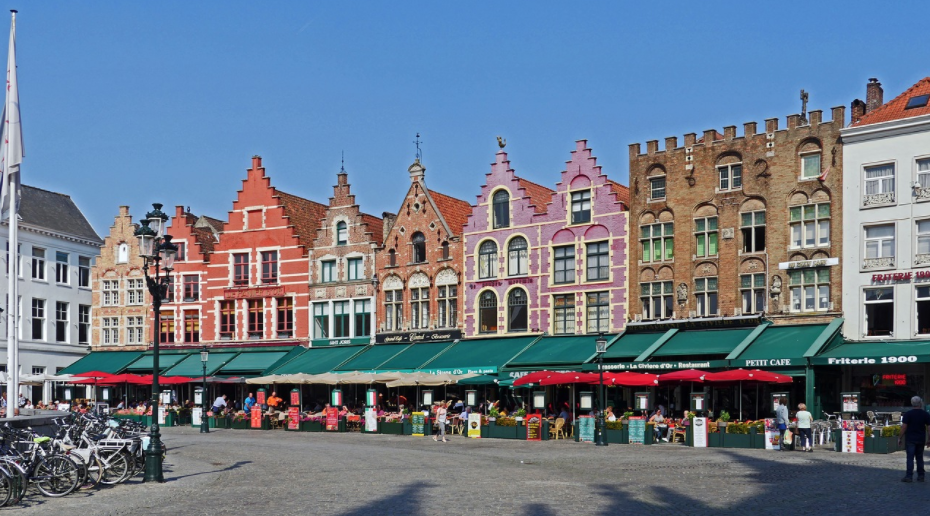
(679,431)
(558,429)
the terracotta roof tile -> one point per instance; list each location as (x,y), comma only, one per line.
(895,109)
(623,192)
(454,211)
(205,238)
(216,223)
(539,195)
(375,226)
(305,215)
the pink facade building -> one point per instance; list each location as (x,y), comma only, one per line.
(540,260)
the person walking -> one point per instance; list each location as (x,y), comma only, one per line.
(440,411)
(781,419)
(804,427)
(914,432)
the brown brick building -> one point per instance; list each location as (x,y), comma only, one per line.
(419,266)
(729,225)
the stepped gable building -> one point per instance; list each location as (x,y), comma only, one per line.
(729,225)
(256,290)
(342,265)
(419,266)
(540,260)
(502,265)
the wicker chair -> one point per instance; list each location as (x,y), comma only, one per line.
(558,429)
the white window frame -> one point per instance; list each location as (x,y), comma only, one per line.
(802,290)
(880,241)
(806,155)
(922,175)
(879,180)
(726,173)
(110,292)
(653,181)
(750,294)
(135,291)
(865,305)
(819,226)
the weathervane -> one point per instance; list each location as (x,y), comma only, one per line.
(803,107)
(342,169)
(417,142)
(501,142)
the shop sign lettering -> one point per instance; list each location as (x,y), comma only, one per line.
(901,276)
(769,362)
(870,361)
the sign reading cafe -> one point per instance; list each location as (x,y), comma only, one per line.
(418,336)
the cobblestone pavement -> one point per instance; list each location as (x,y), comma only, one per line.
(282,473)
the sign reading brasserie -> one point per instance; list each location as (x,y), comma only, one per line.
(253,292)
(418,336)
(656,366)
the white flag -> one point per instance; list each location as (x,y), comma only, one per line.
(11,136)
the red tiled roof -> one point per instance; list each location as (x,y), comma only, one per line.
(205,238)
(304,214)
(375,226)
(539,195)
(454,211)
(216,223)
(894,109)
(623,192)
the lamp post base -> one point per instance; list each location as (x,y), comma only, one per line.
(601,429)
(153,457)
(204,426)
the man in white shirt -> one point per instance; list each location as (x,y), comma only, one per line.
(219,403)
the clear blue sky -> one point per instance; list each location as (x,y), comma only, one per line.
(135,102)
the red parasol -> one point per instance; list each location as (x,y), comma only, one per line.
(747,375)
(627,379)
(685,375)
(533,377)
(567,378)
(134,379)
(94,374)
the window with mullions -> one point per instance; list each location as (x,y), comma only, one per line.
(355,269)
(109,330)
(657,241)
(341,317)
(61,267)
(320,320)
(134,330)
(269,267)
(191,288)
(61,321)
(705,293)
(285,317)
(227,320)
(752,289)
(487,260)
(84,324)
(516,310)
(501,203)
(597,256)
(564,264)
(753,229)
(923,173)
(880,180)
(342,233)
(487,312)
(581,207)
(38,319)
(328,271)
(362,318)
(110,292)
(705,236)
(241,269)
(657,188)
(135,291)
(879,312)
(517,257)
(563,307)
(394,310)
(191,326)
(809,225)
(923,237)
(809,289)
(731,177)
(656,298)
(256,318)
(166,332)
(419,308)
(448,308)
(598,305)
(879,241)
(38,263)
(83,271)
(419,247)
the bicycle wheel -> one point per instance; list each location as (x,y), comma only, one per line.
(7,487)
(82,467)
(56,476)
(19,479)
(115,467)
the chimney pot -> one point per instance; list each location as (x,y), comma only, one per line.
(873,95)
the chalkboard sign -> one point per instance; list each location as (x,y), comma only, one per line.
(586,429)
(533,427)
(418,420)
(637,430)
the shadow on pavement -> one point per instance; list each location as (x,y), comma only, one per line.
(231,467)
(409,501)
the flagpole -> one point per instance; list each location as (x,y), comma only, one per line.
(11,190)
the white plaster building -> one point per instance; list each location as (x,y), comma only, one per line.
(57,247)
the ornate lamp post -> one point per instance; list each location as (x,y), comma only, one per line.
(157,252)
(601,344)
(204,357)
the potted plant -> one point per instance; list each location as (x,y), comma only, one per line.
(737,436)
(723,420)
(616,433)
(503,428)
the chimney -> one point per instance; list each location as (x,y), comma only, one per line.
(873,95)
(858,110)
(416,171)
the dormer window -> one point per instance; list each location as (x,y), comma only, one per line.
(342,233)
(581,207)
(419,247)
(501,203)
(917,102)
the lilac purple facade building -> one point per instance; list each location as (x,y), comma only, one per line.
(540,260)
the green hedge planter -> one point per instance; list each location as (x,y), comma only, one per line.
(617,436)
(881,445)
(485,431)
(244,424)
(502,432)
(521,430)
(391,428)
(736,441)
(715,440)
(311,426)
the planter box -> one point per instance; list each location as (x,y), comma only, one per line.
(521,431)
(502,432)
(617,436)
(715,440)
(171,419)
(485,431)
(736,441)
(880,445)
(391,428)
(244,424)
(311,426)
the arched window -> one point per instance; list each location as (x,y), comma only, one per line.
(342,233)
(392,258)
(517,256)
(487,260)
(501,202)
(487,312)
(516,310)
(445,250)
(419,247)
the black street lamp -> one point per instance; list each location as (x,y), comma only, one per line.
(204,357)
(601,344)
(157,251)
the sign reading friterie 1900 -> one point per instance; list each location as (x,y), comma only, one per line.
(252,293)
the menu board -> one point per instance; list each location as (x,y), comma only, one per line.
(637,430)
(371,420)
(196,416)
(295,398)
(771,434)
(332,419)
(642,401)
(586,429)
(260,397)
(474,425)
(255,417)
(852,441)
(418,420)
(161,415)
(850,401)
(533,427)
(198,397)
(293,418)
(699,431)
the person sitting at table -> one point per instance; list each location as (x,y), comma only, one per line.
(344,411)
(274,402)
(565,414)
(659,426)
(609,414)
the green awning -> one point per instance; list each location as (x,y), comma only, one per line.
(111,362)
(780,346)
(876,353)
(702,342)
(571,350)
(631,345)
(318,360)
(191,366)
(251,363)
(480,356)
(485,379)
(293,353)
(414,356)
(372,357)
(145,362)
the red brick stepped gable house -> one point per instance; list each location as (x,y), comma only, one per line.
(342,262)
(419,266)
